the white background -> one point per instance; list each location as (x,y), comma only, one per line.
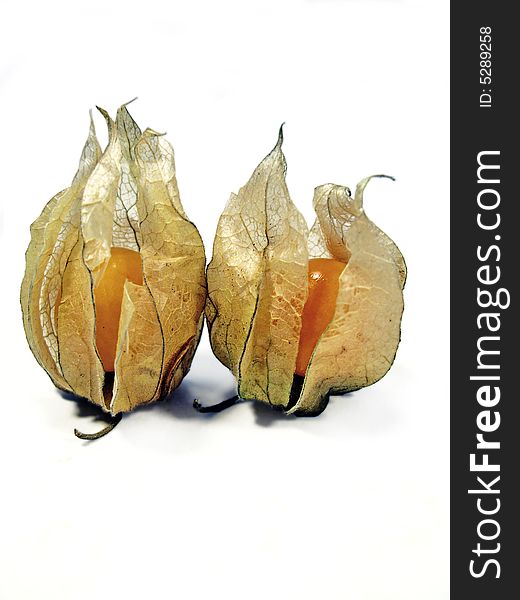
(352,505)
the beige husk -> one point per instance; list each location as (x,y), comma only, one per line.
(257,286)
(125,197)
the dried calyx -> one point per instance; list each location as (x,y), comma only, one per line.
(298,315)
(114,287)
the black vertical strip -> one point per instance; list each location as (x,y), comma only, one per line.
(485,255)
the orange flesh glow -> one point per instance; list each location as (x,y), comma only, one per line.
(320,306)
(123,264)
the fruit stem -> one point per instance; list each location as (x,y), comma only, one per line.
(216,408)
(99,434)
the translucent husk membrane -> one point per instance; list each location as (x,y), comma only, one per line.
(257,287)
(124,197)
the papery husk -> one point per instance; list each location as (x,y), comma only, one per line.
(257,287)
(126,197)
(257,284)
(55,276)
(359,345)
